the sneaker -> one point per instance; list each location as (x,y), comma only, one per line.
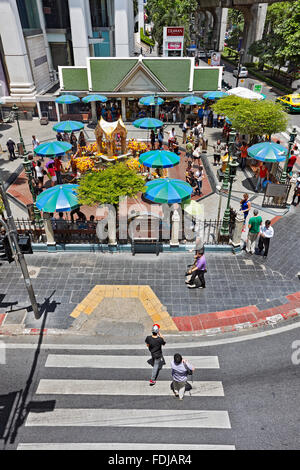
(192,286)
(152,382)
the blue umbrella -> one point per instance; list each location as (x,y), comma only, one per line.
(90,98)
(228,122)
(214,95)
(159,159)
(68,126)
(67,99)
(59,198)
(151,100)
(166,190)
(191,100)
(148,123)
(268,152)
(49,149)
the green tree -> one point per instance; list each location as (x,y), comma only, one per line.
(107,186)
(253,117)
(281,36)
(1,206)
(170,13)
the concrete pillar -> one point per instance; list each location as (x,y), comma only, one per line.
(293,182)
(122,28)
(175,229)
(112,227)
(255,17)
(94,111)
(237,234)
(123,109)
(57,111)
(79,29)
(15,52)
(43,27)
(51,243)
(222,28)
(141,14)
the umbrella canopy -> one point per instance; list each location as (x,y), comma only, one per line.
(151,100)
(246,93)
(49,149)
(67,99)
(166,190)
(214,95)
(191,100)
(90,98)
(148,123)
(268,152)
(193,208)
(68,126)
(228,121)
(159,159)
(60,198)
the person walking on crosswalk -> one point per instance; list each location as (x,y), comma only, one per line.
(180,370)
(154,344)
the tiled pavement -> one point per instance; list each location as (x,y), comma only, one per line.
(239,286)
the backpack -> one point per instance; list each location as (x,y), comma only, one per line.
(196,131)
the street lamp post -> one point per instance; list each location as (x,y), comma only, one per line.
(293,136)
(13,239)
(224,232)
(232,136)
(27,165)
(241,53)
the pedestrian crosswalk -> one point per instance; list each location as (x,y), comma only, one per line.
(284,137)
(97,394)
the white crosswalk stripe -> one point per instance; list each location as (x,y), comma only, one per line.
(65,383)
(284,137)
(120,362)
(121,387)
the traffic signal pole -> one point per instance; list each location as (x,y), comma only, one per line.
(13,239)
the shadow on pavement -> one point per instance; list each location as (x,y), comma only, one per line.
(14,407)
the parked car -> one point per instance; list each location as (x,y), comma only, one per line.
(290,102)
(201,54)
(243,72)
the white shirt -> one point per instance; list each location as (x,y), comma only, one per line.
(35,143)
(268,232)
(39,171)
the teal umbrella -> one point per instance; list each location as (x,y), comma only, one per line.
(67,99)
(68,126)
(148,123)
(59,198)
(167,190)
(215,95)
(268,152)
(159,159)
(90,98)
(191,101)
(151,100)
(49,149)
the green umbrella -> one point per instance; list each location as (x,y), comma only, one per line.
(67,99)
(167,190)
(68,126)
(159,159)
(59,198)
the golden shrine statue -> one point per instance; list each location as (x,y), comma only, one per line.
(107,135)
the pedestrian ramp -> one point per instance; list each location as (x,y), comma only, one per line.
(104,402)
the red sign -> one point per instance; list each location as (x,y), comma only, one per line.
(174,46)
(175,31)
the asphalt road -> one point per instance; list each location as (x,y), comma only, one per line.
(248,399)
(271,94)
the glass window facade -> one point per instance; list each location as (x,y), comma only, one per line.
(99,13)
(29,15)
(56,14)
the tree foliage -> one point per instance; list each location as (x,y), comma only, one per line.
(253,117)
(106,187)
(281,38)
(170,13)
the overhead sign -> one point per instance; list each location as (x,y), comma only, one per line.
(215,58)
(174,46)
(173,39)
(257,87)
(175,31)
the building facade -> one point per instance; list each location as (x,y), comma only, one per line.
(38,36)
